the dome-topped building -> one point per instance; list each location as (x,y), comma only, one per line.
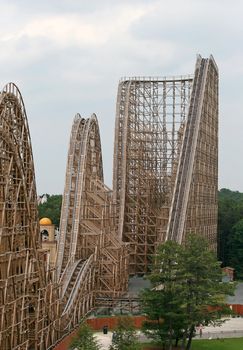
(45,222)
(48,239)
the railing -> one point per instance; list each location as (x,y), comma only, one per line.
(188,77)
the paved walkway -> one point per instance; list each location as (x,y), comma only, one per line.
(104,340)
(232,328)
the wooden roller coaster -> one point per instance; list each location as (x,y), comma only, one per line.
(164,186)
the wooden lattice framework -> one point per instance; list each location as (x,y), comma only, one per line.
(160,123)
(91,262)
(39,306)
(165,185)
(194,205)
(27,290)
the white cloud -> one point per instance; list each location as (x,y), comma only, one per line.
(77,29)
(67,56)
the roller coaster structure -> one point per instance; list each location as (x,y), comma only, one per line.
(164,186)
(165,170)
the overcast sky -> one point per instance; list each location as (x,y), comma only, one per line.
(67,56)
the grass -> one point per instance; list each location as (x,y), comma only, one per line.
(216,344)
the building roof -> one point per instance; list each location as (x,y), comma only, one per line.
(45,222)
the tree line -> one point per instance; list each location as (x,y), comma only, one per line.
(230,230)
(230,225)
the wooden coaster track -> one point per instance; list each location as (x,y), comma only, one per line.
(165,176)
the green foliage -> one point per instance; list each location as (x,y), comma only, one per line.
(230,213)
(163,303)
(204,292)
(231,195)
(85,339)
(235,255)
(187,291)
(124,337)
(213,344)
(51,209)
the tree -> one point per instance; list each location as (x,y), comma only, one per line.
(187,291)
(203,291)
(124,337)
(51,209)
(235,245)
(229,213)
(85,339)
(163,303)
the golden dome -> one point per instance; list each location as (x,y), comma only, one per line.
(45,222)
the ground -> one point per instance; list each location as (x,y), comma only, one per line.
(212,337)
(232,328)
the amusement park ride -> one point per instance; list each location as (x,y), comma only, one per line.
(164,186)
